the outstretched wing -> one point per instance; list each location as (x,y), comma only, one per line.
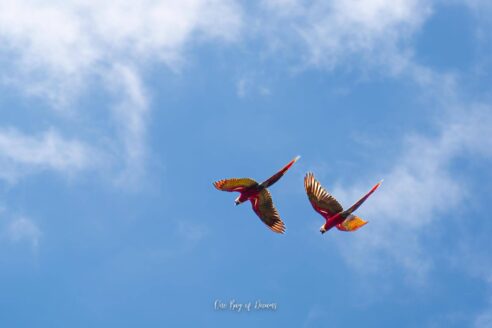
(322,201)
(363,199)
(351,223)
(274,178)
(263,207)
(234,184)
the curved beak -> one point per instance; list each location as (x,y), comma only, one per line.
(236,202)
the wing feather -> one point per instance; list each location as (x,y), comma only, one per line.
(351,223)
(320,199)
(234,184)
(266,211)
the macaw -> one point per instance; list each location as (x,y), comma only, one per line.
(258,194)
(326,205)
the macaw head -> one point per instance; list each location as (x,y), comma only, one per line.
(238,201)
(241,199)
(323,229)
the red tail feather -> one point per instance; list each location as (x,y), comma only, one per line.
(274,178)
(363,199)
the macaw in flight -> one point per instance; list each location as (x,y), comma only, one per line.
(326,205)
(258,194)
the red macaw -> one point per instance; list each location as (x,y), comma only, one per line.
(258,194)
(326,205)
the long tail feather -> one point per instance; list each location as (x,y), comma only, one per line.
(363,199)
(274,178)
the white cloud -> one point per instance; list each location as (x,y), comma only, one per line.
(419,189)
(241,87)
(131,114)
(57,44)
(20,153)
(23,229)
(252,85)
(53,49)
(346,32)
(472,256)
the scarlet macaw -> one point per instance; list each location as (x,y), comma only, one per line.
(326,205)
(258,194)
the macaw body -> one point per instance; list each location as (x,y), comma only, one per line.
(258,195)
(326,205)
(341,222)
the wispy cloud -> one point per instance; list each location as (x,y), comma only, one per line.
(54,46)
(131,115)
(252,85)
(378,35)
(472,256)
(419,188)
(23,229)
(21,153)
(54,49)
(348,32)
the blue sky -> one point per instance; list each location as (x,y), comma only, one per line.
(117,118)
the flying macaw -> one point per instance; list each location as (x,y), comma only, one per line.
(258,194)
(326,205)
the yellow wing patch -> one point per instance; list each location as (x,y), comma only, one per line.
(351,223)
(234,184)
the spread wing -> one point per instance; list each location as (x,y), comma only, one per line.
(322,201)
(351,223)
(263,207)
(234,184)
(363,199)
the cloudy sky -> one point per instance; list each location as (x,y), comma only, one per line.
(116,119)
